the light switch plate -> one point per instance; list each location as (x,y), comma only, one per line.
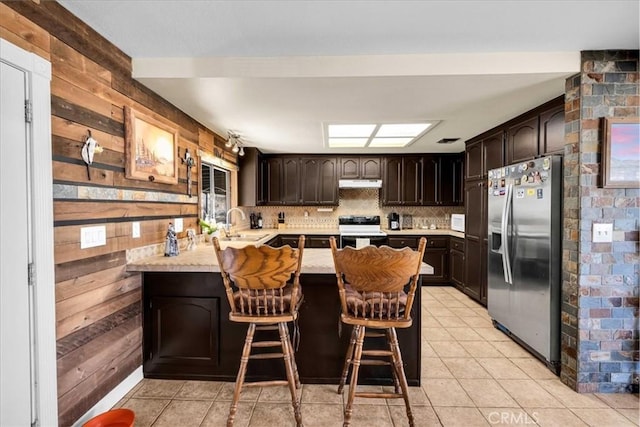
(90,237)
(177,225)
(602,233)
(135,229)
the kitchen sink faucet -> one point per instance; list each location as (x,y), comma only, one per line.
(228,223)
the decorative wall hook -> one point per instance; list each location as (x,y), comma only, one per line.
(89,148)
(190,162)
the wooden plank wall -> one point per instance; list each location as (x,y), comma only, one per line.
(98,304)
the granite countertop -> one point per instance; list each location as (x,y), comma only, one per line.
(314,261)
(203,259)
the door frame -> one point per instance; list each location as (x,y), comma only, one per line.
(39,135)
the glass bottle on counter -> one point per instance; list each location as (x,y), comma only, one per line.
(259,220)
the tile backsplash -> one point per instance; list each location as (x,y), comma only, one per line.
(357,201)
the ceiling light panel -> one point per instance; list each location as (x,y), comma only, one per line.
(350,131)
(402,129)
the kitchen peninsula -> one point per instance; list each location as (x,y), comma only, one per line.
(187,333)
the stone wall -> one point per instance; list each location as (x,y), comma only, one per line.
(600,280)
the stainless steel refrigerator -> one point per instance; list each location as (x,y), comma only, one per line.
(525,259)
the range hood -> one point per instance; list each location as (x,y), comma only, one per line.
(359,183)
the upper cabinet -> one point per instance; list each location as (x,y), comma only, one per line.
(551,131)
(539,132)
(522,140)
(357,167)
(443,180)
(429,180)
(484,154)
(402,180)
(319,184)
(282,176)
(293,180)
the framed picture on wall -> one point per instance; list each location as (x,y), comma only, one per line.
(151,148)
(621,152)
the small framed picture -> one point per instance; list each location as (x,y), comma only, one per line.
(621,152)
(151,148)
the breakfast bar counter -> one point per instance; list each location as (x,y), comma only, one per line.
(188,335)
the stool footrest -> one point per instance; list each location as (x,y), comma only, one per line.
(267,356)
(374,335)
(377,353)
(380,395)
(265,383)
(373,362)
(266,344)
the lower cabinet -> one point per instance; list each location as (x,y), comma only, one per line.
(310,241)
(475,281)
(187,333)
(456,262)
(436,254)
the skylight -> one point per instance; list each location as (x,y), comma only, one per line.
(396,135)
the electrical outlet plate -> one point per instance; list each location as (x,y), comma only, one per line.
(178,225)
(602,233)
(90,237)
(135,229)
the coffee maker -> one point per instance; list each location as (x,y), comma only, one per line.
(394,221)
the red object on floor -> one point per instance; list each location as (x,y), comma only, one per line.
(114,418)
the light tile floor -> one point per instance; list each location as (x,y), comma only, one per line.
(472,375)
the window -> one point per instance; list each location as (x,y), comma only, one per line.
(216,196)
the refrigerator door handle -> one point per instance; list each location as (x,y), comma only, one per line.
(508,277)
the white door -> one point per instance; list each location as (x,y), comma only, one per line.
(16,336)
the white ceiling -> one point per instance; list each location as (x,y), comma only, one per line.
(275,71)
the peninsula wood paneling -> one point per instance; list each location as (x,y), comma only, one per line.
(98,304)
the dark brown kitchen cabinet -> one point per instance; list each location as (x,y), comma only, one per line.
(432,178)
(319,183)
(402,181)
(456,262)
(187,334)
(475,277)
(475,209)
(183,332)
(492,152)
(291,181)
(291,240)
(522,140)
(318,242)
(358,167)
(436,254)
(474,163)
(551,131)
(398,242)
(282,176)
(451,182)
(484,154)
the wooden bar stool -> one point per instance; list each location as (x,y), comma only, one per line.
(255,279)
(371,284)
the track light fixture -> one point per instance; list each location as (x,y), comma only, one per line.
(234,141)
